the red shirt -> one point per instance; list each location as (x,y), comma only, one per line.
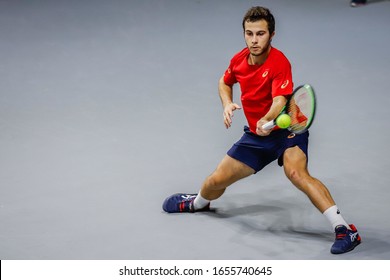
(259,83)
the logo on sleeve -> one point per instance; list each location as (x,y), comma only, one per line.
(285,84)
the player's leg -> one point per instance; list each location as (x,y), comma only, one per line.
(295,167)
(227,172)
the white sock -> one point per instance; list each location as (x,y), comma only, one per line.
(334,217)
(200,202)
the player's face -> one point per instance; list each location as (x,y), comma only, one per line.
(257,37)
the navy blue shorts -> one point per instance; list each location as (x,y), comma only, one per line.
(259,151)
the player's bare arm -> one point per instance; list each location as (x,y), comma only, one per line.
(277,105)
(226,95)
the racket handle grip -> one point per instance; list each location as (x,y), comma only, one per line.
(269,125)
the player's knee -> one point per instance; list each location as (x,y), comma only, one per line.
(294,175)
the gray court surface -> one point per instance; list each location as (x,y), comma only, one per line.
(108,107)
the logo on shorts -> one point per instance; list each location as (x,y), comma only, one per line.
(292,135)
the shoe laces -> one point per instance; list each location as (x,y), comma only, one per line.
(186,204)
(340,236)
(341,232)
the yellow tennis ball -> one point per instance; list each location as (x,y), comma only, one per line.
(283,121)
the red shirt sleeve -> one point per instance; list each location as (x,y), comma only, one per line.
(282,83)
(229,78)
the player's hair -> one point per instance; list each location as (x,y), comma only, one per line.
(259,13)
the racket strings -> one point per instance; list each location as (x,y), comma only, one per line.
(301,108)
(298,119)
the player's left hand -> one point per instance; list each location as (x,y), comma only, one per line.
(228,113)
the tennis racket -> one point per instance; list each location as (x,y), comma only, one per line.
(301,107)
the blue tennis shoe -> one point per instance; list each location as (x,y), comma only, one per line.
(346,239)
(181,202)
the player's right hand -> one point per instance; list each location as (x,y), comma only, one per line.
(228,113)
(260,130)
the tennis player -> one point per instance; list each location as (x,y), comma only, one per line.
(265,78)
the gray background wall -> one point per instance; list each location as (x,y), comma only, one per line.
(108,107)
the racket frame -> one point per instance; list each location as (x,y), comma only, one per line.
(313,105)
